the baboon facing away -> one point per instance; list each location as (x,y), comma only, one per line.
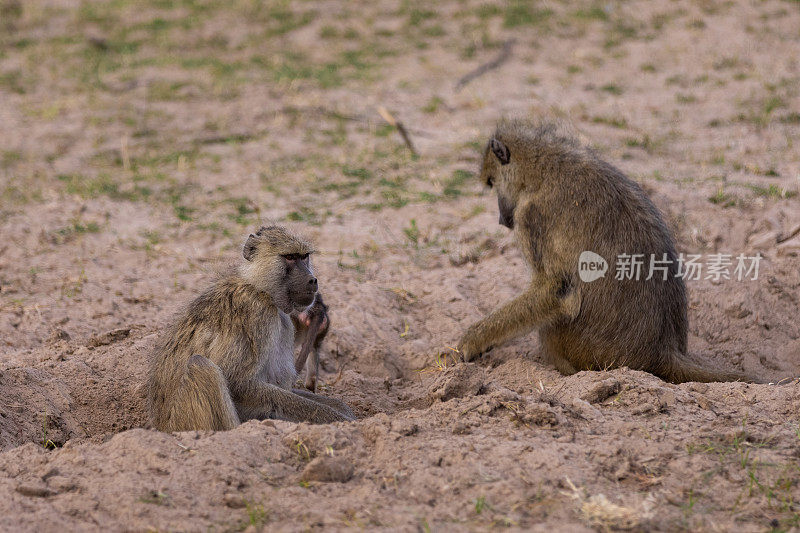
(229,355)
(561,199)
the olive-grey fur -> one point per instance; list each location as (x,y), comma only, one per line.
(310,337)
(228,356)
(561,199)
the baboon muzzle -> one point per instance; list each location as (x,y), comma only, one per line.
(506,213)
(302,284)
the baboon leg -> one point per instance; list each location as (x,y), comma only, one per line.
(338,405)
(264,400)
(202,400)
(312,370)
(550,350)
(562,365)
(537,306)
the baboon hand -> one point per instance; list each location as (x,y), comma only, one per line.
(306,316)
(472,343)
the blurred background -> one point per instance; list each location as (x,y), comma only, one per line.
(211,115)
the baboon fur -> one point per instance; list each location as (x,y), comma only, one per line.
(229,357)
(311,327)
(561,199)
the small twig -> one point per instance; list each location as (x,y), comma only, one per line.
(324,111)
(504,55)
(233,137)
(388,117)
(124,153)
(338,376)
(341,115)
(305,110)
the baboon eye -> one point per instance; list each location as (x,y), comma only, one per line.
(295,257)
(490,181)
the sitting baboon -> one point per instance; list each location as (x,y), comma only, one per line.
(561,200)
(229,355)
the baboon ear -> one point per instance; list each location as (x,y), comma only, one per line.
(501,151)
(249,249)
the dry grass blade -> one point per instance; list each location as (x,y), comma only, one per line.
(388,117)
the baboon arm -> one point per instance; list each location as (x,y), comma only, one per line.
(537,306)
(312,370)
(338,405)
(261,400)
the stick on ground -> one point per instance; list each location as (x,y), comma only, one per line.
(504,55)
(388,117)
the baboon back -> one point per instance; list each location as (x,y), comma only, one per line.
(640,323)
(200,402)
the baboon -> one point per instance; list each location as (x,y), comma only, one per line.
(311,326)
(229,355)
(561,199)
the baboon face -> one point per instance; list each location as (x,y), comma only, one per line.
(278,263)
(494,172)
(301,285)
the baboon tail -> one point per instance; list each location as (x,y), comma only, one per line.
(202,401)
(683,370)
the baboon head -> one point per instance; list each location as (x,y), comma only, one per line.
(278,263)
(512,160)
(496,171)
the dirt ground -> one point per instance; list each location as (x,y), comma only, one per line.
(140,141)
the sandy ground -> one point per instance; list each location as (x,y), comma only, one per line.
(140,142)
